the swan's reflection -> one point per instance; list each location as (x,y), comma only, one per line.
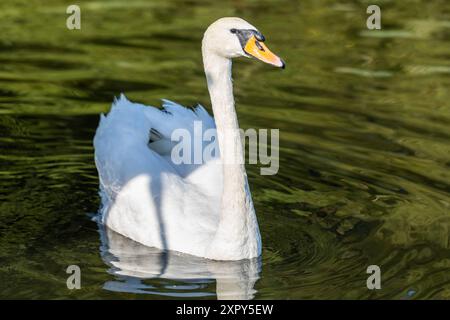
(132,263)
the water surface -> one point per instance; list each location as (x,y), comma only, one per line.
(364,120)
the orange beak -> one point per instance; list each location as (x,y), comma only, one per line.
(259,51)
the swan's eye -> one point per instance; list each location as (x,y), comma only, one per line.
(233,30)
(259,36)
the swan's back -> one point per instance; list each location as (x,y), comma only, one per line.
(145,196)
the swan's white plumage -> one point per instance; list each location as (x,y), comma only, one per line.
(144,195)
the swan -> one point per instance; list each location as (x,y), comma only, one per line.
(202,209)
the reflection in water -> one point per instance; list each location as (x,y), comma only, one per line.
(132,263)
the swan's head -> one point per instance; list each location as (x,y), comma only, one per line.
(235,37)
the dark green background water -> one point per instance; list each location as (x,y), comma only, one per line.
(364,119)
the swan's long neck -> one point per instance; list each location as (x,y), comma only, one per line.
(238,235)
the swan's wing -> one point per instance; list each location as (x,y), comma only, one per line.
(204,170)
(177,117)
(134,139)
(131,124)
(142,190)
(183,117)
(177,124)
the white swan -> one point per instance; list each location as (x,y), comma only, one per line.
(205,209)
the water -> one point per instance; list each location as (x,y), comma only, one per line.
(364,121)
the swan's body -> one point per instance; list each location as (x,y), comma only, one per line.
(201,209)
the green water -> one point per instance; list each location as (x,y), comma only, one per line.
(364,119)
